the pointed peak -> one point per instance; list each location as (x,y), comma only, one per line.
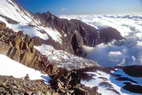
(48,12)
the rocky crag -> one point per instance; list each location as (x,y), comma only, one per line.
(20,48)
(76,33)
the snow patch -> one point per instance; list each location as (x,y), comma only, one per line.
(64,59)
(110,83)
(122,73)
(53,33)
(9,67)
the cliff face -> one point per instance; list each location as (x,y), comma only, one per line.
(77,33)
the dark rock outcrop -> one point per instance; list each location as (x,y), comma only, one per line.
(133,87)
(134,71)
(76,33)
(108,34)
(68,84)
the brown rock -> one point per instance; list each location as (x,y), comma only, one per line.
(2,25)
(20,48)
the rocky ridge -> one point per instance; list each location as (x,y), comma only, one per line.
(70,74)
(76,33)
(20,48)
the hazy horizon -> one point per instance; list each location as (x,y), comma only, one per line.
(59,7)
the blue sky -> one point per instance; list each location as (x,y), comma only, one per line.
(83,6)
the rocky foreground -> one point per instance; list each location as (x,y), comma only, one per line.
(13,86)
(89,81)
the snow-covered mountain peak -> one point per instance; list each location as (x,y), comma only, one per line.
(10,9)
(18,19)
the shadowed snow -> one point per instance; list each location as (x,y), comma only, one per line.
(109,84)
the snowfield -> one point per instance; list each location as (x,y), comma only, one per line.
(64,59)
(9,9)
(125,52)
(9,67)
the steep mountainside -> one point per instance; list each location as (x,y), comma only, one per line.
(77,33)
(40,54)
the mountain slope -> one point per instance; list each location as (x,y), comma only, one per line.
(25,45)
(10,9)
(76,33)
(45,47)
(18,19)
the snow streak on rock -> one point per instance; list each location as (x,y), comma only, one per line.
(111,84)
